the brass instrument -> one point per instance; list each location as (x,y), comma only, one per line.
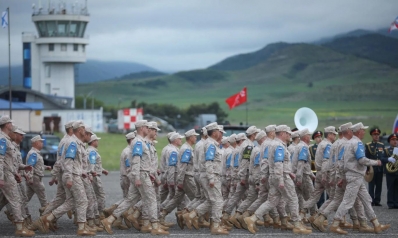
(369,174)
(393,167)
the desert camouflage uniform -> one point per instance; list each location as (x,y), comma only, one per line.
(95,165)
(35,184)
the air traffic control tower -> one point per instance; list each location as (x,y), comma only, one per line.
(50,57)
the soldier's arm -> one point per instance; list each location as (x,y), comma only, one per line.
(360,156)
(209,158)
(181,166)
(298,155)
(325,161)
(243,166)
(2,155)
(135,160)
(172,165)
(278,158)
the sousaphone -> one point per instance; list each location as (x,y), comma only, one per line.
(306,118)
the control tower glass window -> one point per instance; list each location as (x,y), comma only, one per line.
(42,28)
(74,28)
(82,28)
(51,28)
(62,28)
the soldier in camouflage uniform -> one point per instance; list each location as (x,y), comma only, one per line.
(73,159)
(141,184)
(228,166)
(35,185)
(281,185)
(9,177)
(355,164)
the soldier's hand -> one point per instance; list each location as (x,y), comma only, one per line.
(324,182)
(56,182)
(243,182)
(1,183)
(84,175)
(137,183)
(165,186)
(152,177)
(51,183)
(298,183)
(69,184)
(105,172)
(171,185)
(340,183)
(48,168)
(257,188)
(331,184)
(157,182)
(292,176)
(18,178)
(158,171)
(28,168)
(379,163)
(211,184)
(180,187)
(30,181)
(26,177)
(264,180)
(313,178)
(281,186)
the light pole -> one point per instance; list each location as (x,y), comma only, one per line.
(85,99)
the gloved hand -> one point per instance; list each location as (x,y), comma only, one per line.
(391,159)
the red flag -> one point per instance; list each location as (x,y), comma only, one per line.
(237,99)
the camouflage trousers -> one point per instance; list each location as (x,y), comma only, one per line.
(92,201)
(164,191)
(11,194)
(124,185)
(224,188)
(24,200)
(237,196)
(304,193)
(319,188)
(189,189)
(146,191)
(252,195)
(75,198)
(355,189)
(99,192)
(200,195)
(37,188)
(279,198)
(261,198)
(213,196)
(59,198)
(231,192)
(140,206)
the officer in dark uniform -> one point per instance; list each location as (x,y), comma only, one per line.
(317,137)
(375,150)
(392,178)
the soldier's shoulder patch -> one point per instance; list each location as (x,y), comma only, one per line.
(3,146)
(279,154)
(71,151)
(173,158)
(360,152)
(32,160)
(247,152)
(326,152)
(303,155)
(137,149)
(210,153)
(186,156)
(92,157)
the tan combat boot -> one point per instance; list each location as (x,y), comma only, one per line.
(241,219)
(108,211)
(93,227)
(125,215)
(189,218)
(119,224)
(233,219)
(201,223)
(312,218)
(305,227)
(70,214)
(22,230)
(285,225)
(107,223)
(303,216)
(345,225)
(319,223)
(146,227)
(335,228)
(44,223)
(251,223)
(268,220)
(364,228)
(355,224)
(379,227)
(299,229)
(180,219)
(276,222)
(156,230)
(83,230)
(133,219)
(42,209)
(29,223)
(225,220)
(164,227)
(216,229)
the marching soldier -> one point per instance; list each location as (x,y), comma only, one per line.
(374,150)
(35,185)
(9,176)
(228,166)
(95,168)
(281,185)
(227,152)
(355,163)
(391,176)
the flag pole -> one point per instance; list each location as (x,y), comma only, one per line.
(9,61)
(247,114)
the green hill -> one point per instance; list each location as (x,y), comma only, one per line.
(339,87)
(375,47)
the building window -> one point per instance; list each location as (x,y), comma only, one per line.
(84,48)
(63,47)
(50,47)
(75,47)
(48,88)
(47,68)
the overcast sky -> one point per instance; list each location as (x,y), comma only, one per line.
(172,35)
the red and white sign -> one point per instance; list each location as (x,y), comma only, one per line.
(127,117)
